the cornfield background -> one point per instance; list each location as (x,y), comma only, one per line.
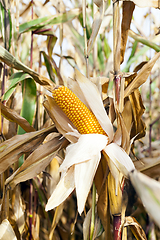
(114,43)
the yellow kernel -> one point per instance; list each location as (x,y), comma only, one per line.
(83,119)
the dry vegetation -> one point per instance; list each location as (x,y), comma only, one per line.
(42,43)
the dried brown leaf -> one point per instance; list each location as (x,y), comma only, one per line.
(139,66)
(95,28)
(12,149)
(13,116)
(141,76)
(116,37)
(112,112)
(128,8)
(36,162)
(138,108)
(11,61)
(127,115)
(149,166)
(18,209)
(98,2)
(136,228)
(122,132)
(103,210)
(102,190)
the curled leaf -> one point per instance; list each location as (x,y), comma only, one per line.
(141,76)
(13,116)
(135,227)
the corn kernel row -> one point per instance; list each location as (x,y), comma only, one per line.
(83,119)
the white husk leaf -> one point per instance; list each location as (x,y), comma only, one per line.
(94,100)
(84,175)
(6,231)
(120,158)
(148,190)
(88,146)
(64,188)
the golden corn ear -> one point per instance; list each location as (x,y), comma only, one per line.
(82,118)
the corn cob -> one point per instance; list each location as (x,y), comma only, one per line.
(82,118)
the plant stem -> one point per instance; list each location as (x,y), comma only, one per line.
(117,227)
(31,54)
(31,185)
(85,36)
(30,210)
(93,211)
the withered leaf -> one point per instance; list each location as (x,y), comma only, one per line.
(127,115)
(136,228)
(138,108)
(95,28)
(103,210)
(139,66)
(116,37)
(122,132)
(141,76)
(13,116)
(128,8)
(13,148)
(36,162)
(11,61)
(149,166)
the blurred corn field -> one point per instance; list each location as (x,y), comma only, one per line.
(61,178)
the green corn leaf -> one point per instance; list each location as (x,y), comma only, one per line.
(49,66)
(51,41)
(15,79)
(40,23)
(33,24)
(100,55)
(29,102)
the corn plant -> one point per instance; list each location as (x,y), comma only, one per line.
(79,151)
